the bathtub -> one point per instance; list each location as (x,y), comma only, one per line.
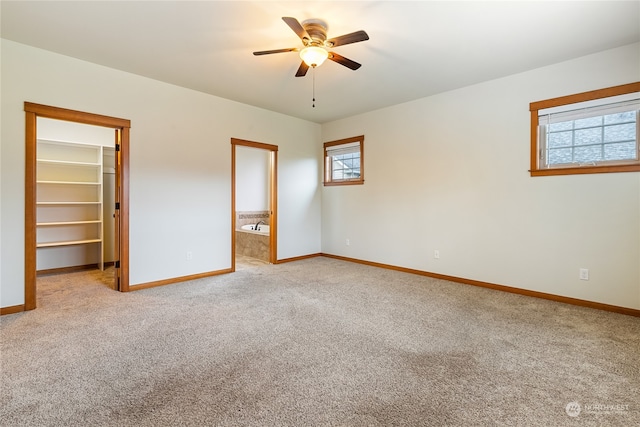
(262,229)
(253,243)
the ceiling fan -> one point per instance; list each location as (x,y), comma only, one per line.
(313,33)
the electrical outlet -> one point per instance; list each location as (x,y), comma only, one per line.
(584,274)
(347,242)
(436,254)
(189,255)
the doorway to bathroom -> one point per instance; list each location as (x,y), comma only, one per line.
(253,203)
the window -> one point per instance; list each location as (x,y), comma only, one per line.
(344,161)
(590,132)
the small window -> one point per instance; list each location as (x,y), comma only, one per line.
(344,161)
(591,132)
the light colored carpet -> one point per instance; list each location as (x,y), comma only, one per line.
(313,343)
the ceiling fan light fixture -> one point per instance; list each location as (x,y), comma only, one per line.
(313,56)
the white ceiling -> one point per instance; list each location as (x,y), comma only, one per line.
(416,48)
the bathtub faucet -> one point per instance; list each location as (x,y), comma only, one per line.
(255,227)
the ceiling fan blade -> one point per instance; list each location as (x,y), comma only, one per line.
(344,61)
(358,36)
(297,28)
(267,52)
(302,71)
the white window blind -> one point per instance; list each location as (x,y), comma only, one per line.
(587,109)
(342,149)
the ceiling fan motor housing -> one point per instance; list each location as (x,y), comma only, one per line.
(317,30)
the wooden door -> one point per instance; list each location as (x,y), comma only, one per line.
(116,212)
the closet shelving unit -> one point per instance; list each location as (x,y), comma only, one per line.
(69,195)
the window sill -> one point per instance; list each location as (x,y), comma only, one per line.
(585,170)
(332,183)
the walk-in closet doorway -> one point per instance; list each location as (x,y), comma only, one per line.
(65,202)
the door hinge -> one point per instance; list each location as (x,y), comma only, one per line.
(117,147)
(117,206)
(117,264)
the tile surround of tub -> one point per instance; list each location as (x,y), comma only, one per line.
(251,244)
(251,217)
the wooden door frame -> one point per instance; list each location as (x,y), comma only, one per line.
(33,111)
(273,195)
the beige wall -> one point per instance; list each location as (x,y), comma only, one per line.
(180,185)
(252,179)
(449,173)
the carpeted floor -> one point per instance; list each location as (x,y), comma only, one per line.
(313,343)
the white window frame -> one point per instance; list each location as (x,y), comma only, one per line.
(587,104)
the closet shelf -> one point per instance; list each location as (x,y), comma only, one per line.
(67,203)
(67,243)
(67,162)
(61,223)
(68,182)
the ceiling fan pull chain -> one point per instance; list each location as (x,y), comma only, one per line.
(313,72)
